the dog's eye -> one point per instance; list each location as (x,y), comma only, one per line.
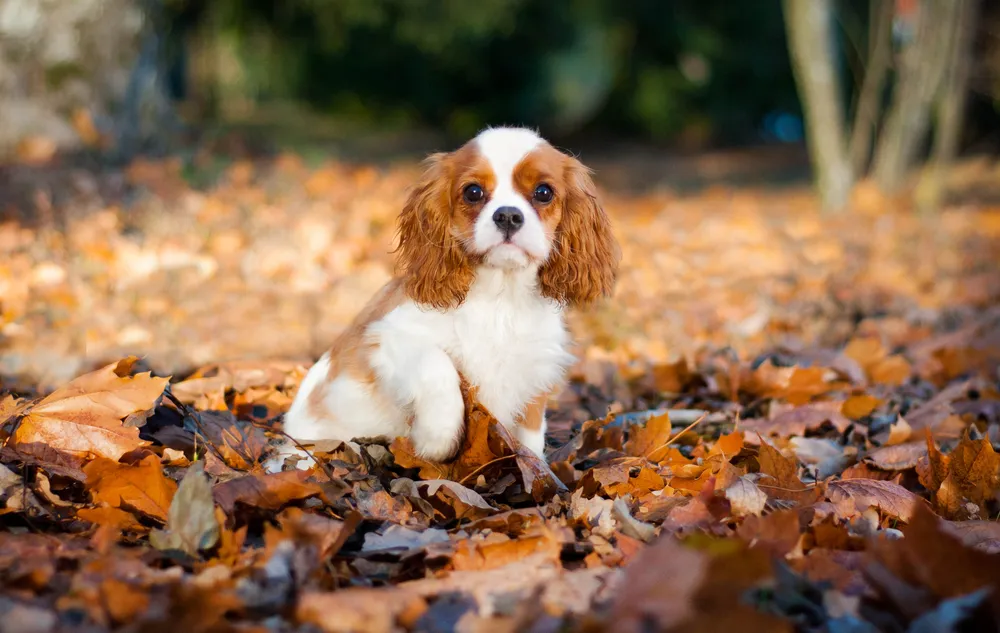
(543,193)
(473,194)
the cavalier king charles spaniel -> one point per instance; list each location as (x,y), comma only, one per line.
(495,241)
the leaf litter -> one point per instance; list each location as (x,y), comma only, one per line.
(834,469)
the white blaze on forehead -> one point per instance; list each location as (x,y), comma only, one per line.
(504,148)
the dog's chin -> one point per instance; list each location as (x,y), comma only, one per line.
(508,256)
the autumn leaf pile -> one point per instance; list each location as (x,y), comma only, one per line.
(779,423)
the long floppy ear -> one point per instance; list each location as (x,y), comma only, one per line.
(434,268)
(583,264)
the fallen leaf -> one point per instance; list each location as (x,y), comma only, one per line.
(267,492)
(797,421)
(899,432)
(402,538)
(360,610)
(783,481)
(86,415)
(113,517)
(140,488)
(859,406)
(891,498)
(898,457)
(191,525)
(777,533)
(463,502)
(630,526)
(745,498)
(649,440)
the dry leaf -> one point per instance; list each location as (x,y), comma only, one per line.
(899,432)
(891,498)
(140,488)
(267,492)
(191,525)
(745,498)
(85,416)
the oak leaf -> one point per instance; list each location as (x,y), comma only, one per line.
(191,525)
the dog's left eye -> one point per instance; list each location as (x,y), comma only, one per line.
(543,193)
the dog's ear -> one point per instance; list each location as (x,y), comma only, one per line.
(584,261)
(434,267)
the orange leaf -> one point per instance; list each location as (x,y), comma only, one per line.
(268,492)
(142,488)
(85,416)
(649,438)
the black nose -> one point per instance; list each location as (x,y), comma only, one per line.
(508,220)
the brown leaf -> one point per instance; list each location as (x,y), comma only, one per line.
(898,457)
(463,502)
(783,482)
(113,517)
(267,492)
(475,453)
(894,370)
(932,559)
(191,525)
(649,440)
(745,498)
(499,551)
(360,610)
(891,498)
(858,406)
(899,432)
(981,535)
(324,534)
(141,488)
(700,592)
(797,421)
(777,532)
(85,416)
(976,468)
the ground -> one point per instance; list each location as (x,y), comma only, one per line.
(838,375)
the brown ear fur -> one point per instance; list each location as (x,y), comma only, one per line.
(434,268)
(583,264)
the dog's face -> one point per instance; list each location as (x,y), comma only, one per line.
(506,199)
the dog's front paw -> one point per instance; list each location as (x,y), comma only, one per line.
(437,429)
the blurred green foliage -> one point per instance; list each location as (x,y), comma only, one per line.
(686,70)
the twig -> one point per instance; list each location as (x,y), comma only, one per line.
(674,438)
(322,466)
(489,463)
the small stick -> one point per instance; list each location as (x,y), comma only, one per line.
(674,438)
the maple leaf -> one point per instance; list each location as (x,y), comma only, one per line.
(649,440)
(783,482)
(141,488)
(86,415)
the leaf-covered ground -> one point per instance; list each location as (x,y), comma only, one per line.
(780,422)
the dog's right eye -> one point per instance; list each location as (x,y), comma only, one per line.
(473,194)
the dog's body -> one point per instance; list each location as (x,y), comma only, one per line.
(495,241)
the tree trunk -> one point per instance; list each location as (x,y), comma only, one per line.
(866,115)
(809,27)
(950,108)
(922,70)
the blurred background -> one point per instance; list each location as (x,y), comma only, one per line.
(197,180)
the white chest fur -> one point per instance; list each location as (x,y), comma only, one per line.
(505,338)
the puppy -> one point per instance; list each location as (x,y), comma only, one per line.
(496,240)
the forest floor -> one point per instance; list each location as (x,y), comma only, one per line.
(839,375)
